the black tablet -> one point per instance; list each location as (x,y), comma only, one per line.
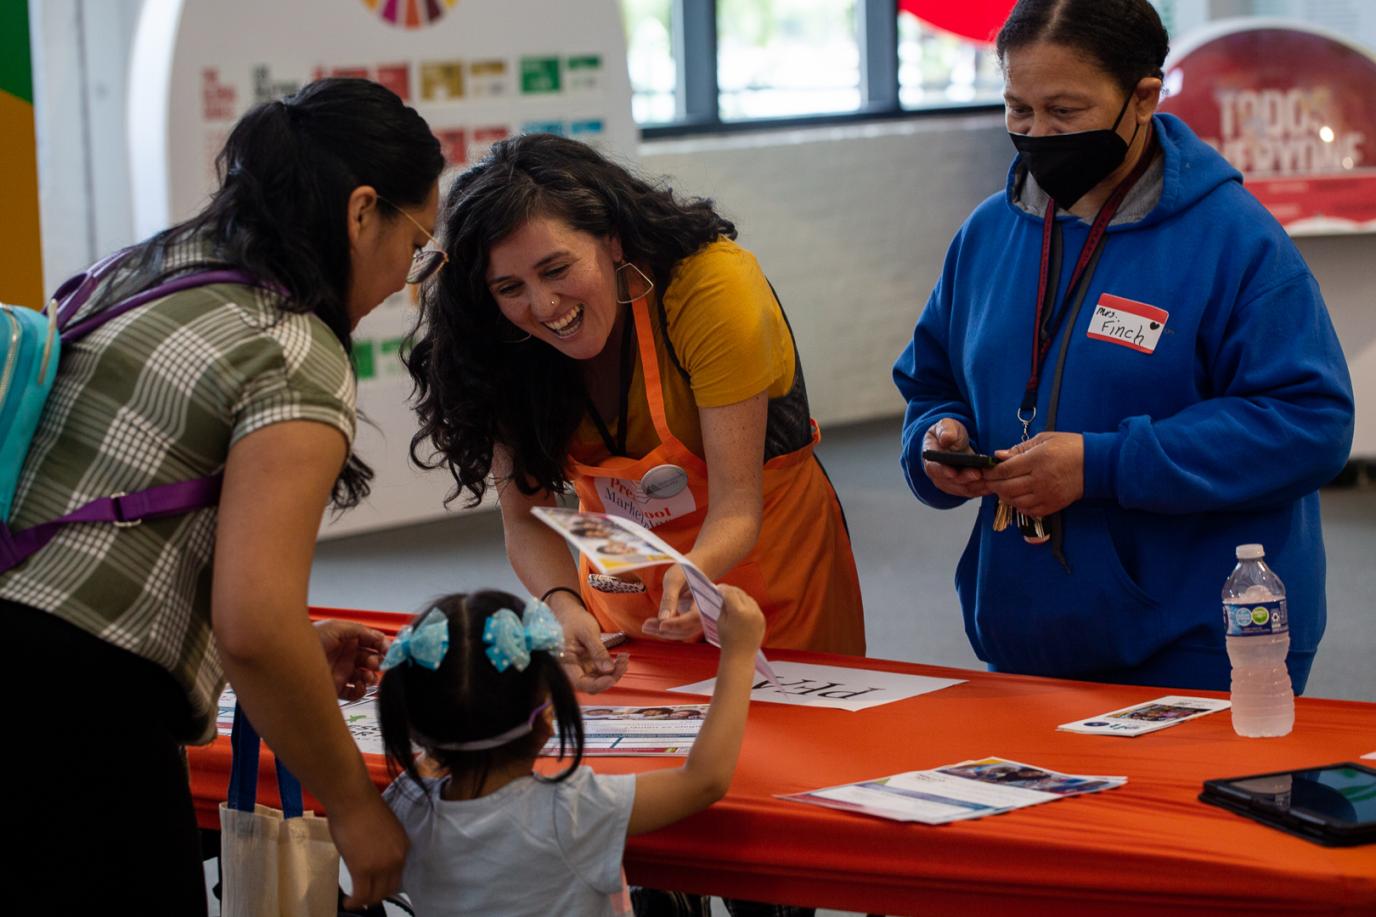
(1333,805)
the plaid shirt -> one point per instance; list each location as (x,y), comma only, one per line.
(156,396)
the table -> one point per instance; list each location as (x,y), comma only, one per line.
(1141,849)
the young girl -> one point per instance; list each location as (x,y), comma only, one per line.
(478,689)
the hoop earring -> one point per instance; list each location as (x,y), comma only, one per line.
(649,284)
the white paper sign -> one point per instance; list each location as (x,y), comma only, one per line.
(810,685)
(628,500)
(1150,716)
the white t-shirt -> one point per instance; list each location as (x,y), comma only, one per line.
(532,847)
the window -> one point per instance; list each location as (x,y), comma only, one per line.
(937,67)
(650,59)
(786,57)
(714,64)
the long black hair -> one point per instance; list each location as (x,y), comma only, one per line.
(281,209)
(466,699)
(476,383)
(1124,37)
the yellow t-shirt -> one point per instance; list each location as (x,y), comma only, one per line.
(729,335)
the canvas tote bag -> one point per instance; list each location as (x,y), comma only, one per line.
(274,862)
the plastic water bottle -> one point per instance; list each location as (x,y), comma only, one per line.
(1258,635)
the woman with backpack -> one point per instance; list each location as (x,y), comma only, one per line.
(124,630)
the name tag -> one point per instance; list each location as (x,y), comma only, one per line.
(628,500)
(1127,322)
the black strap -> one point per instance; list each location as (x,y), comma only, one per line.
(617,446)
(1049,319)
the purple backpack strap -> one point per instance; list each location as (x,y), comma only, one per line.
(72,295)
(176,285)
(124,510)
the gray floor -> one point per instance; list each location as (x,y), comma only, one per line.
(906,554)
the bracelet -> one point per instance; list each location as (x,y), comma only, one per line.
(573,592)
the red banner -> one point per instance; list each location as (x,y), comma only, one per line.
(1294,109)
(977,20)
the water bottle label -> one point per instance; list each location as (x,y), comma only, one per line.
(1256,618)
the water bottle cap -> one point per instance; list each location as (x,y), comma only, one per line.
(1250,552)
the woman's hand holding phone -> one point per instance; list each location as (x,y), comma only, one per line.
(950,436)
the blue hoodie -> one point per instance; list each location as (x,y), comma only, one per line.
(1219,437)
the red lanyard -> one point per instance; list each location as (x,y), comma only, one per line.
(1048,317)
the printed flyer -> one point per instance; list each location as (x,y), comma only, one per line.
(1151,716)
(956,792)
(637,732)
(614,545)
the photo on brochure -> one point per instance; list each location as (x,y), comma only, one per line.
(1012,773)
(608,544)
(632,547)
(637,732)
(1150,716)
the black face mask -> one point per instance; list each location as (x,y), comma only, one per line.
(1066,166)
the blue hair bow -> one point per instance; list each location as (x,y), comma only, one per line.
(510,639)
(424,644)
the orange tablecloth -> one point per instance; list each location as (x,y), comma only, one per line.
(1145,847)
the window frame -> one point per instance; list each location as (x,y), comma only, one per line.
(697,95)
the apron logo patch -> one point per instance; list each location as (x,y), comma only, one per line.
(1132,324)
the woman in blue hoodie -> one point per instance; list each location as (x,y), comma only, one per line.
(1143,346)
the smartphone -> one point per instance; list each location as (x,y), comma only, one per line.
(960,459)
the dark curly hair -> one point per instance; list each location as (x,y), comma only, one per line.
(281,211)
(466,699)
(1124,37)
(474,389)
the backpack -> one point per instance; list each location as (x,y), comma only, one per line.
(32,347)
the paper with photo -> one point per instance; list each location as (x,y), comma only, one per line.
(610,543)
(632,547)
(1150,716)
(360,716)
(810,685)
(637,732)
(956,792)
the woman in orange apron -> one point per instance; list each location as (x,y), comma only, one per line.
(593,330)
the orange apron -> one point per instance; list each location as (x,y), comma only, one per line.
(801,570)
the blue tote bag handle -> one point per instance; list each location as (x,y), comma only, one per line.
(243,771)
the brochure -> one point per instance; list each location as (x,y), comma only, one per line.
(614,545)
(810,685)
(956,792)
(637,732)
(1150,716)
(359,715)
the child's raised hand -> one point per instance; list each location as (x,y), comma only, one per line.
(741,624)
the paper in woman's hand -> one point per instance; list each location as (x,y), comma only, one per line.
(614,545)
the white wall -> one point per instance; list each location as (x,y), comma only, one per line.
(851,224)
